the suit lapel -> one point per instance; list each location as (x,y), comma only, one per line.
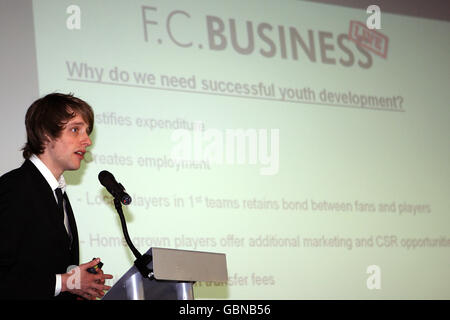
(44,195)
(49,207)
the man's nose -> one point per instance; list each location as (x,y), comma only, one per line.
(86,140)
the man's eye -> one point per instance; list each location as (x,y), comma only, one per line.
(74,130)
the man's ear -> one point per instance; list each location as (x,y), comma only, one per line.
(48,142)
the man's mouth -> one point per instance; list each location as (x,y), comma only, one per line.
(80,153)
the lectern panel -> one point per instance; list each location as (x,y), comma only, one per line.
(185,265)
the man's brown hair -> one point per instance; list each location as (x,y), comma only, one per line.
(47,117)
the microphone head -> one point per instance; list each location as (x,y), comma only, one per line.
(105,178)
(116,189)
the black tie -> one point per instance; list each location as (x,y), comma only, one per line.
(59,196)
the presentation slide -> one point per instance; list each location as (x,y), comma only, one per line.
(307,142)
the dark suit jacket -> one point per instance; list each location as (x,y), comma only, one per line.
(34,245)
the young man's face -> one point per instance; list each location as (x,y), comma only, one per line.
(67,151)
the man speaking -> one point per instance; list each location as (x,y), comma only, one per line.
(39,251)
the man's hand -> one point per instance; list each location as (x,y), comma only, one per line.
(87,285)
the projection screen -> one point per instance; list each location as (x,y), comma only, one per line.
(309,148)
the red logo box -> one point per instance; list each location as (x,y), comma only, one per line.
(370,39)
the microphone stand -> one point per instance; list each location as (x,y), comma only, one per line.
(141,261)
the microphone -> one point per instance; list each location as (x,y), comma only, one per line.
(116,189)
(121,197)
